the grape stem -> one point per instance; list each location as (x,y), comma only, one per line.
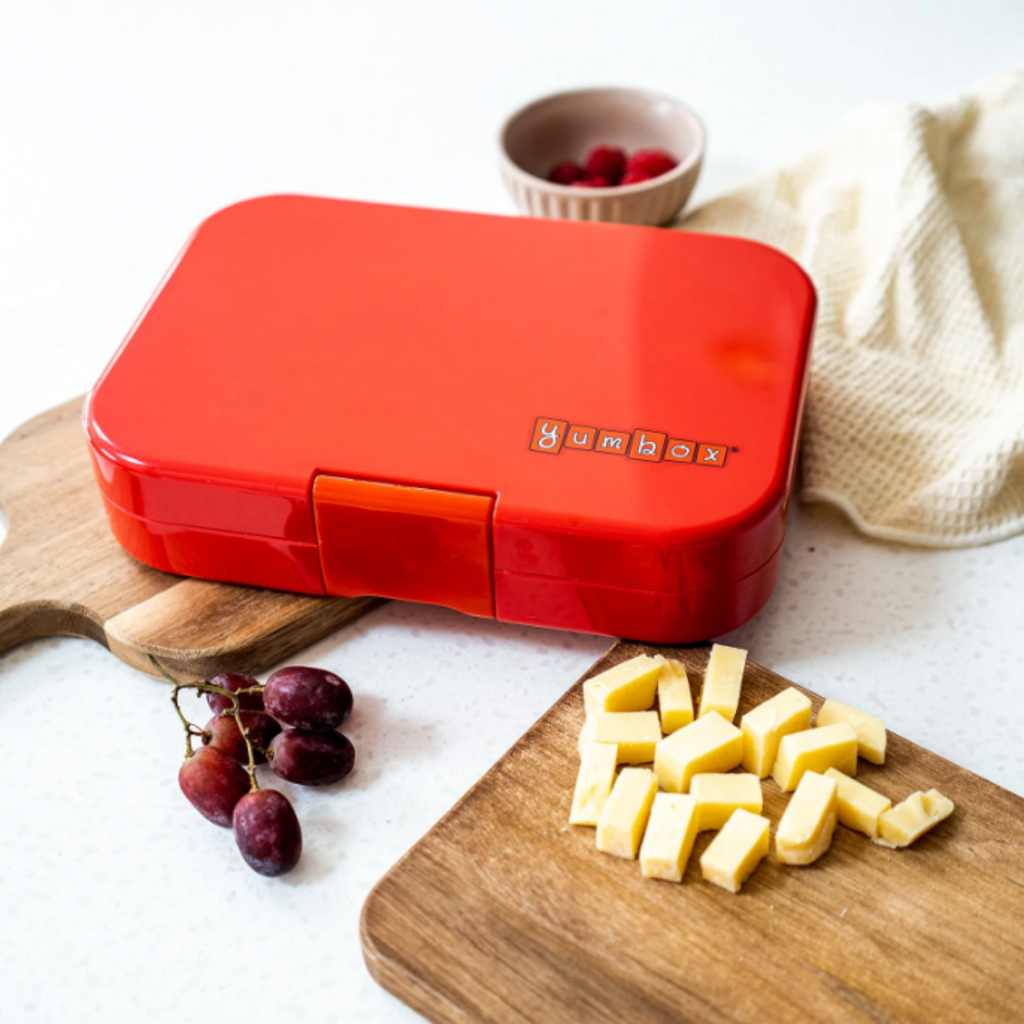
(205,686)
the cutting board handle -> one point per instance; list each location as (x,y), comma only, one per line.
(197,629)
(62,572)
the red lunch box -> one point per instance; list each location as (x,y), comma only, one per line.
(584,426)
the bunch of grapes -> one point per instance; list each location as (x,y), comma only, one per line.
(290,723)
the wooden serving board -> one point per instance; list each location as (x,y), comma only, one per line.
(62,572)
(503,913)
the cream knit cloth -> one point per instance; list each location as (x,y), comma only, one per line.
(911,225)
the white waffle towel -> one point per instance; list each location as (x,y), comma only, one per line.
(911,225)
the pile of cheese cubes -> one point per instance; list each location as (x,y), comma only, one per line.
(693,762)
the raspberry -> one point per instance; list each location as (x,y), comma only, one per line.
(607,162)
(651,162)
(634,177)
(592,183)
(565,173)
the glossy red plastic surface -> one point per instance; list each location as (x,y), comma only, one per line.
(653,615)
(410,543)
(277,563)
(628,397)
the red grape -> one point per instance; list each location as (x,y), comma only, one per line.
(214,784)
(226,737)
(235,681)
(267,832)
(308,698)
(312,758)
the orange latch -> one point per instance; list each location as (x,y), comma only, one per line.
(409,543)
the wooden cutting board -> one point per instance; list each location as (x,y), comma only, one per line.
(62,572)
(503,913)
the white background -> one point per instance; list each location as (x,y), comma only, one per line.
(121,127)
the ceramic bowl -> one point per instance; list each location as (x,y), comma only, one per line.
(567,125)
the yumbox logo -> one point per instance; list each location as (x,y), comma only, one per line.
(551,436)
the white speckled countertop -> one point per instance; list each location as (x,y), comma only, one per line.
(119,132)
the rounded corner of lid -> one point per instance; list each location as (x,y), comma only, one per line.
(773,254)
(87,414)
(800,274)
(95,438)
(250,205)
(792,267)
(756,512)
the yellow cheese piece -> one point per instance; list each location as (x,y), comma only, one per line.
(718,795)
(628,686)
(723,679)
(908,821)
(711,744)
(674,698)
(859,807)
(736,850)
(594,783)
(668,841)
(815,750)
(870,730)
(624,817)
(806,827)
(764,726)
(635,733)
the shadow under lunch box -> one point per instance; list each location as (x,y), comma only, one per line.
(583,426)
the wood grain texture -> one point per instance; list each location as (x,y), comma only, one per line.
(503,913)
(62,572)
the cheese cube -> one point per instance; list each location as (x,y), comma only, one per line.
(764,726)
(674,698)
(816,750)
(635,733)
(628,686)
(668,841)
(806,827)
(719,795)
(711,744)
(594,783)
(722,681)
(622,822)
(908,821)
(870,730)
(859,807)
(736,850)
